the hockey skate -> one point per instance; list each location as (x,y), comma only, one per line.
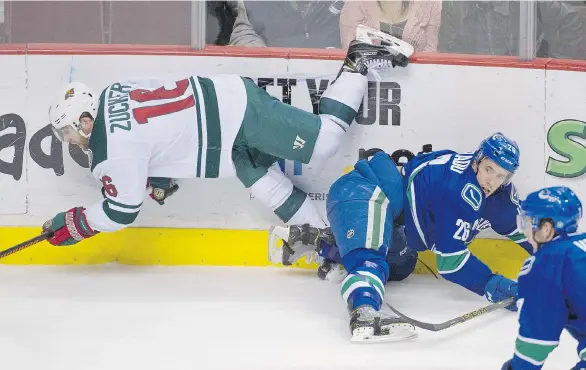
(370,326)
(298,241)
(363,56)
(330,270)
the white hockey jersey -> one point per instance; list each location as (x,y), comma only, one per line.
(148,128)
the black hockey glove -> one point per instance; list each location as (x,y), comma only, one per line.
(161,188)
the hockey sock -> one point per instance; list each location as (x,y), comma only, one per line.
(364,284)
(290,204)
(328,141)
(341,100)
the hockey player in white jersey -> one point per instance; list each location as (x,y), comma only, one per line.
(215,127)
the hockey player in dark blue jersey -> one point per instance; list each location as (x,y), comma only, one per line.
(552,281)
(451,197)
(381,218)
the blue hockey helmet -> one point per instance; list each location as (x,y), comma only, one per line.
(502,151)
(558,203)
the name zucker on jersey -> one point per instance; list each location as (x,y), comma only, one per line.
(118,107)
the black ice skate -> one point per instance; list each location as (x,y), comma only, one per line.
(330,270)
(368,326)
(298,241)
(363,55)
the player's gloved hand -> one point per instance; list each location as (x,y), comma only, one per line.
(69,227)
(161,188)
(499,288)
(507,365)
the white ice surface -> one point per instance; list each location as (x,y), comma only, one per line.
(166,318)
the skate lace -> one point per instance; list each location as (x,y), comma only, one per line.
(378,63)
(367,313)
(374,65)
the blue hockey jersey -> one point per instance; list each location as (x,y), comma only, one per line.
(445,209)
(551,296)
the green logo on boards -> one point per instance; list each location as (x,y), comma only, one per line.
(562,139)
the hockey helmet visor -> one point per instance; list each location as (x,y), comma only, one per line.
(65,133)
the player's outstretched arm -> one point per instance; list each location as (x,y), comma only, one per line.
(457,264)
(123,183)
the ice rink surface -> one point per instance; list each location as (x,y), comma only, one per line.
(164,318)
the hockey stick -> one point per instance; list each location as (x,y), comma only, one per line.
(26,244)
(457,320)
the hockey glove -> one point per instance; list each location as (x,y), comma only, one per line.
(161,188)
(499,288)
(69,227)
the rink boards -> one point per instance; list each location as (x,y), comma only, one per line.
(212,247)
(446,101)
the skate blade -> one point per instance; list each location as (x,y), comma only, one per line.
(276,253)
(367,34)
(336,275)
(276,236)
(392,333)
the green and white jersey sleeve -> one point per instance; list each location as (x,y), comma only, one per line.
(124,181)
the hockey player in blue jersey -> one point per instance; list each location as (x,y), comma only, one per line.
(552,281)
(381,218)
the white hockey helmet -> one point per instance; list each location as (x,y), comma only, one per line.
(73,101)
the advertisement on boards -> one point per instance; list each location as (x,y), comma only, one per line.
(13,180)
(565,150)
(407,111)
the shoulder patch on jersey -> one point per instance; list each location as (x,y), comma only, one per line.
(472,195)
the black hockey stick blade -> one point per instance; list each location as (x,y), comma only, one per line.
(37,239)
(457,320)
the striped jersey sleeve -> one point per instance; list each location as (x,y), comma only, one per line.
(124,183)
(543,313)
